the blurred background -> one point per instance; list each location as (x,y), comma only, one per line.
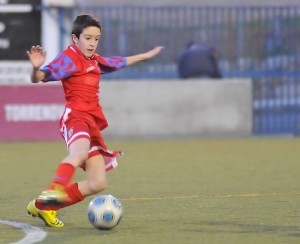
(257,41)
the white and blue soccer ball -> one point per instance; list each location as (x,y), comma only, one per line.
(105,212)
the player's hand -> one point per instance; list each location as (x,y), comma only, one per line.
(36,56)
(143,56)
(153,52)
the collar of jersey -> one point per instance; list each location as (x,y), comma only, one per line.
(76,49)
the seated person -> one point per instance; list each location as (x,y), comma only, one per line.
(198,61)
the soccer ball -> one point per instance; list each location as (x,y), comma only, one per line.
(105,212)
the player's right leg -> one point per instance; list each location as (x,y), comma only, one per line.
(56,194)
(95,168)
(48,216)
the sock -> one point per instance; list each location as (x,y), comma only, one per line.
(74,195)
(64,175)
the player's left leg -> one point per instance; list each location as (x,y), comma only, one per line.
(96,176)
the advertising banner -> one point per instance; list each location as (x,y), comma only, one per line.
(30,112)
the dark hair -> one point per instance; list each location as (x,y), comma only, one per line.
(83,21)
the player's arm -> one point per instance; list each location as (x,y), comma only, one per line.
(111,64)
(143,56)
(37,58)
(37,75)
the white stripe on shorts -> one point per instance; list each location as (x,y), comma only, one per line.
(73,137)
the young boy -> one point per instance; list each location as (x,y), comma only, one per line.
(79,68)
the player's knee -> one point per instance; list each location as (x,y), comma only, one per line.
(98,186)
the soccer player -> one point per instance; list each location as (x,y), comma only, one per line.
(79,68)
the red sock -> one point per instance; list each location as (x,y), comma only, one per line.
(64,174)
(74,195)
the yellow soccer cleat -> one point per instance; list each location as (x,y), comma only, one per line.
(48,216)
(53,197)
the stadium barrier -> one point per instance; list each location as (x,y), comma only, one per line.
(148,109)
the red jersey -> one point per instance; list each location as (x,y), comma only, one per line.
(80,76)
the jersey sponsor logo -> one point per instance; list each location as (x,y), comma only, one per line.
(90,68)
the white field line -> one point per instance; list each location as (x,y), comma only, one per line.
(33,234)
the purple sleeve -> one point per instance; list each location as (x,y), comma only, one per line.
(61,67)
(112,64)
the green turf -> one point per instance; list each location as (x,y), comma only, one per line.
(185,191)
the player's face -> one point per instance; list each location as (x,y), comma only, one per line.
(88,40)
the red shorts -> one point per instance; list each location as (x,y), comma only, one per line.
(77,124)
